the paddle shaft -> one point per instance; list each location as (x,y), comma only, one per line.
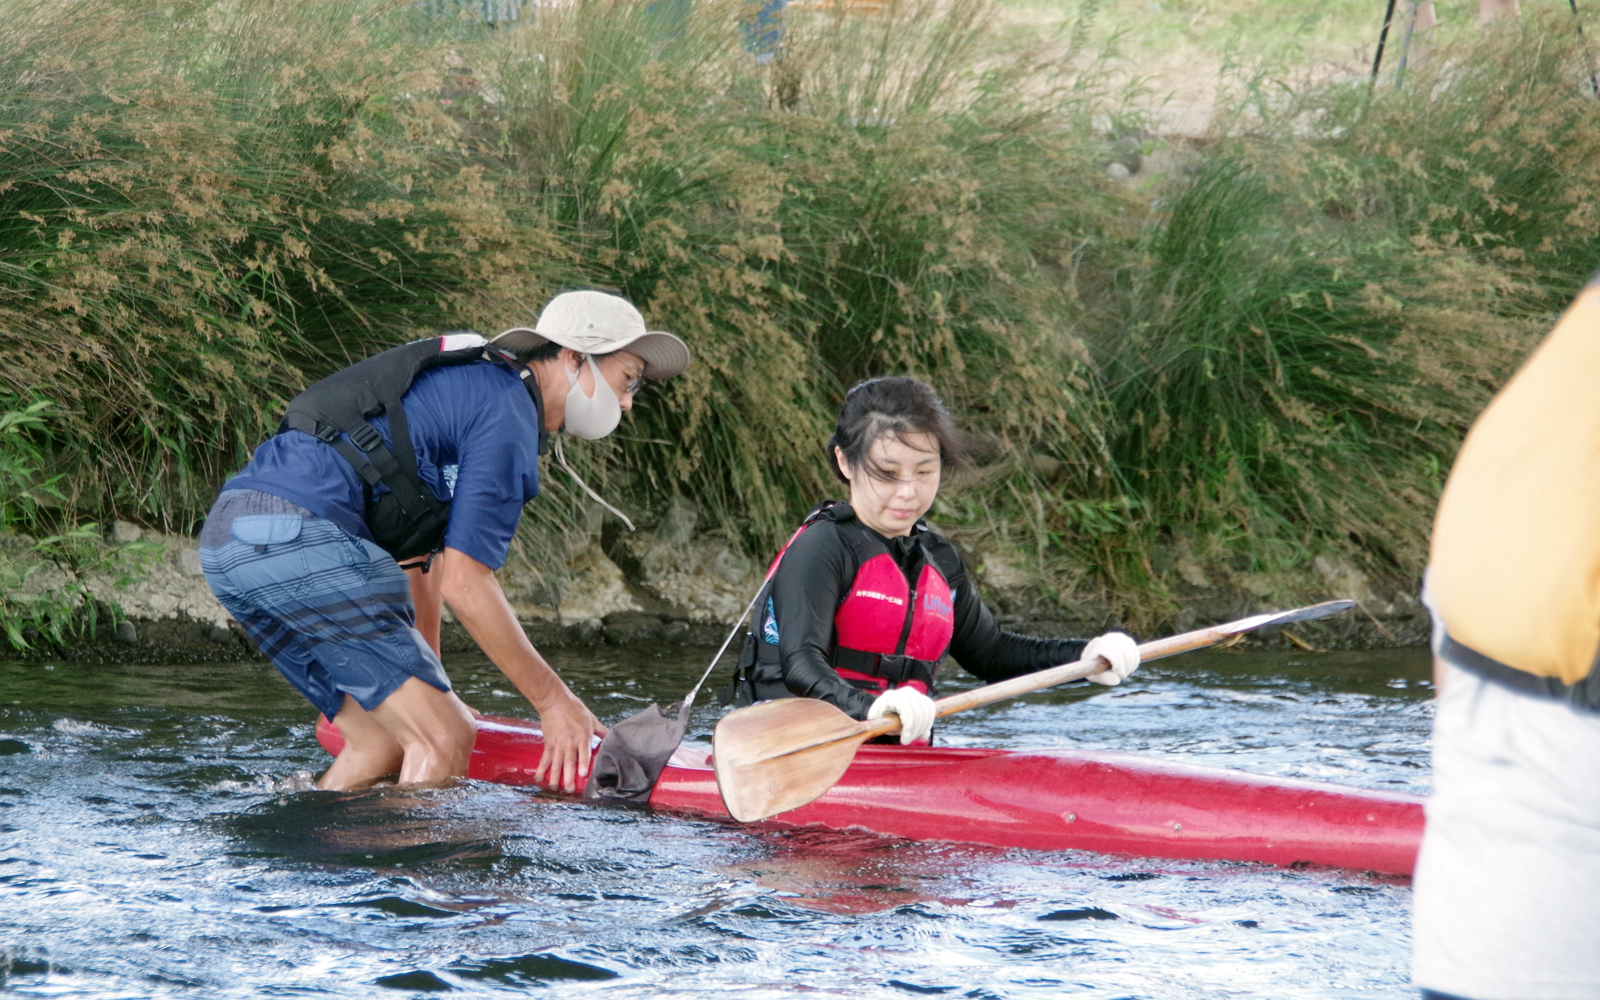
(778,755)
(1048,678)
(1038,681)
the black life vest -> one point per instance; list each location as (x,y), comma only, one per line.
(408,521)
(888,630)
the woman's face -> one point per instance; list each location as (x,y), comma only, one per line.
(890,506)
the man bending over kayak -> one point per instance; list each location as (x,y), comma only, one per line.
(866,599)
(423,454)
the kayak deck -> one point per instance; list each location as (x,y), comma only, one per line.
(1112,803)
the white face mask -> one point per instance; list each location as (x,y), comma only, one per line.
(591,417)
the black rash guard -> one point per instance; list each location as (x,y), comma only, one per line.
(815,576)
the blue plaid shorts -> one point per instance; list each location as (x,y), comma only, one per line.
(332,612)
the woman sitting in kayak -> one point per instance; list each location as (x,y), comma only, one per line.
(866,599)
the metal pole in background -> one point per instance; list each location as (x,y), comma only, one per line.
(1383,37)
(1405,45)
(1594,85)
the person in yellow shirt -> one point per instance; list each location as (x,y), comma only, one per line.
(1508,881)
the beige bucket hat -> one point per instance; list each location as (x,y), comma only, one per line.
(594,322)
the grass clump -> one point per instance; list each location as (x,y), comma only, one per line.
(209,206)
(1313,322)
(201,204)
(1287,390)
(864,202)
(206,206)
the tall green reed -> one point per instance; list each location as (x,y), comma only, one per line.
(863,202)
(200,203)
(211,205)
(206,205)
(1310,326)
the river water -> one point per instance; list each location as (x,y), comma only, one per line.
(155,841)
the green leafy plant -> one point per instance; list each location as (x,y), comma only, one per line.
(45,593)
(22,489)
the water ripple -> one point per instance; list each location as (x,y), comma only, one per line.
(160,839)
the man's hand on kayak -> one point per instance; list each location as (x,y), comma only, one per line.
(473,593)
(567,725)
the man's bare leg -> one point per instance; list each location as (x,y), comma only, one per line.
(425,598)
(419,731)
(369,753)
(434,729)
(429,605)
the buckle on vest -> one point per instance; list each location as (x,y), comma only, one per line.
(327,434)
(893,667)
(897,668)
(367,437)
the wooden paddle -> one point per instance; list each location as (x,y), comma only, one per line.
(778,755)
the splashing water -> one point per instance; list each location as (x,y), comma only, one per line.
(158,838)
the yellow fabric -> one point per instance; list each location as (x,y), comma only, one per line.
(1515,565)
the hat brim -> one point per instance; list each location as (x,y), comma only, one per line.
(664,354)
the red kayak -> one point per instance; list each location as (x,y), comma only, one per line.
(1047,800)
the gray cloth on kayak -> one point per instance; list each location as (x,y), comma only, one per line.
(630,758)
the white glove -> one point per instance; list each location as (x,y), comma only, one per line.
(915,709)
(1119,650)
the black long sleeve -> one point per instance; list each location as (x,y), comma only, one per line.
(990,653)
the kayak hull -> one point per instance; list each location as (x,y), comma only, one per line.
(1046,800)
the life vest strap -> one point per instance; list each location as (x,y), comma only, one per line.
(1583,696)
(410,520)
(330,435)
(865,682)
(886,666)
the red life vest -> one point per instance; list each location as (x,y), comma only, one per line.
(887,632)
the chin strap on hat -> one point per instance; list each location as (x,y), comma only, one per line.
(562,460)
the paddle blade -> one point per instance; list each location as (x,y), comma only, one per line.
(1313,612)
(1305,614)
(778,755)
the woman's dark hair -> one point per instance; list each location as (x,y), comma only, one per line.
(896,406)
